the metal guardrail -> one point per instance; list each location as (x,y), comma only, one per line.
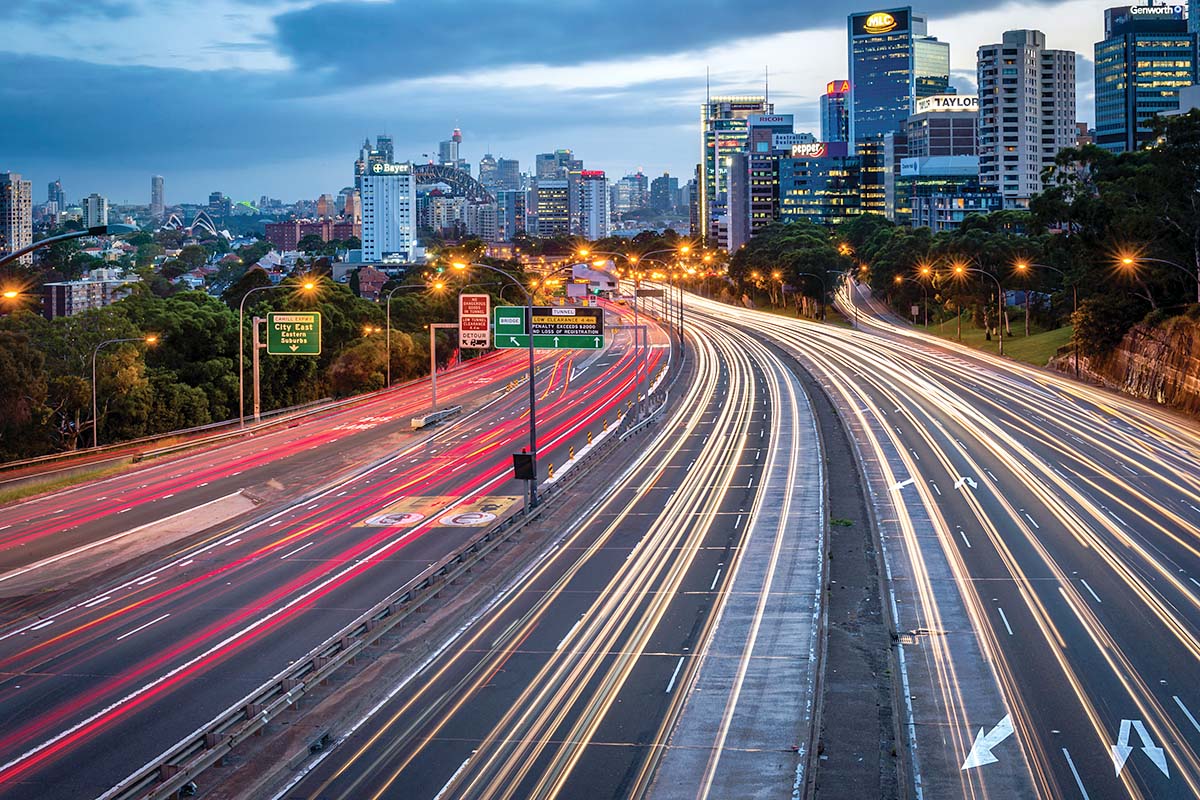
(434,417)
(182,764)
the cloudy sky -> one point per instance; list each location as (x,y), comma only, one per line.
(255,97)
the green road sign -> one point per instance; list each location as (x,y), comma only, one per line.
(294,333)
(511,341)
(554,327)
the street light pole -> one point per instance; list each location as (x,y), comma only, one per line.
(388,304)
(95,416)
(116,229)
(308,287)
(999,301)
(1074,306)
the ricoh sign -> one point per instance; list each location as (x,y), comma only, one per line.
(947,102)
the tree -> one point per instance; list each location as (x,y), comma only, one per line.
(23,393)
(311,243)
(193,257)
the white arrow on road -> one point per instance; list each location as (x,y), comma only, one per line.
(968,481)
(981,751)
(513,339)
(900,485)
(1121,750)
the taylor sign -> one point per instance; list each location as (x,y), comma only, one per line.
(948,102)
(474,319)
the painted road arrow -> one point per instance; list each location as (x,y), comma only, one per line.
(981,751)
(1122,750)
(901,484)
(968,481)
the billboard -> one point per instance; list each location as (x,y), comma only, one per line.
(948,102)
(838,87)
(770,119)
(819,150)
(877,23)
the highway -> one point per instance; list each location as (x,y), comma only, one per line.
(1041,538)
(570,683)
(98,684)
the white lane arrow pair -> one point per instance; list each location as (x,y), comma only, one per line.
(1121,750)
(981,751)
(968,481)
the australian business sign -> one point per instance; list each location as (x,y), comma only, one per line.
(880,22)
(948,102)
(382,168)
(1143,19)
(819,150)
(770,119)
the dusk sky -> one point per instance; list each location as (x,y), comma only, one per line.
(255,97)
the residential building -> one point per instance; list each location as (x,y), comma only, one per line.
(1026,113)
(68,298)
(480,220)
(287,234)
(893,62)
(593,220)
(819,183)
(326,207)
(95,210)
(553,205)
(835,112)
(16,214)
(55,194)
(664,193)
(371,282)
(389,207)
(157,206)
(1147,56)
(510,213)
(724,130)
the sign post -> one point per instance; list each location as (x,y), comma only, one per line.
(554,328)
(474,321)
(294,333)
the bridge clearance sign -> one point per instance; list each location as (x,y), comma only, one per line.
(554,328)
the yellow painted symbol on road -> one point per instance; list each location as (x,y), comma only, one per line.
(410,511)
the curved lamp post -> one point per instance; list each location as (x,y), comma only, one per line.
(150,340)
(118,229)
(960,269)
(394,289)
(1023,266)
(900,280)
(1131,262)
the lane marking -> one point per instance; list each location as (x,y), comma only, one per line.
(143,627)
(716,578)
(41,625)
(454,777)
(297,550)
(935,488)
(675,675)
(1031,522)
(963,534)
(1186,713)
(97,601)
(568,636)
(1089,588)
(1007,627)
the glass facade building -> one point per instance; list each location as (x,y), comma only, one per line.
(724,131)
(893,62)
(821,187)
(835,112)
(1146,57)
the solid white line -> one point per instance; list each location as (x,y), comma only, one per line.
(185,563)
(1031,522)
(674,675)
(1075,772)
(1089,588)
(568,636)
(716,578)
(145,580)
(143,627)
(1118,519)
(963,534)
(1005,618)
(297,550)
(989,472)
(738,523)
(934,485)
(453,777)
(41,625)
(1187,713)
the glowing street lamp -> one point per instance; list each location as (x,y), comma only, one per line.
(960,269)
(150,339)
(1131,261)
(307,286)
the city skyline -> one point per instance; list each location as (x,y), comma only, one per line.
(218,108)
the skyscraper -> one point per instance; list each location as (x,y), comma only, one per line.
(389,209)
(663,193)
(835,112)
(157,206)
(488,171)
(765,146)
(55,194)
(95,210)
(385,148)
(1026,113)
(553,208)
(448,153)
(508,174)
(1147,55)
(16,214)
(893,62)
(594,221)
(724,130)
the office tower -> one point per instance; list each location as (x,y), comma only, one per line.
(157,206)
(594,219)
(1147,56)
(893,62)
(508,174)
(448,153)
(770,138)
(16,214)
(938,140)
(835,112)
(368,157)
(1026,113)
(724,130)
(819,183)
(389,208)
(943,125)
(219,206)
(632,193)
(385,148)
(55,194)
(510,213)
(553,202)
(325,206)
(735,224)
(489,172)
(95,211)
(664,193)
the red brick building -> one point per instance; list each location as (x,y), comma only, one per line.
(286,235)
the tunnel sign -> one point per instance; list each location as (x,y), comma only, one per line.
(473,318)
(554,327)
(294,333)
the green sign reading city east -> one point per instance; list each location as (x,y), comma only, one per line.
(294,333)
(554,328)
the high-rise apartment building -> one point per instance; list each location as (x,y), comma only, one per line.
(55,194)
(893,62)
(510,213)
(664,193)
(724,130)
(95,210)
(594,220)
(157,206)
(1026,113)
(389,209)
(16,214)
(835,112)
(1147,56)
(326,206)
(553,198)
(770,138)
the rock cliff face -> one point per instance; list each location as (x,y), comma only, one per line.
(1160,363)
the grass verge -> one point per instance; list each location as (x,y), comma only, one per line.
(1036,349)
(9,496)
